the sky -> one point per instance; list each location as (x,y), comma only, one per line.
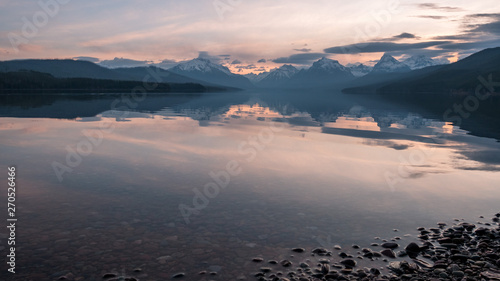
(245,35)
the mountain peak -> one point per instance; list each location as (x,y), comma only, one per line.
(421,61)
(208,71)
(287,67)
(328,64)
(388,64)
(201,65)
(279,75)
(359,69)
(388,58)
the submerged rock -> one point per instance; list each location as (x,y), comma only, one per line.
(388,253)
(390,245)
(178,275)
(348,263)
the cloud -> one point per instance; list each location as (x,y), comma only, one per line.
(484,15)
(432,53)
(386,143)
(490,27)
(480,31)
(484,156)
(405,35)
(475,36)
(123,62)
(476,31)
(433,6)
(305,50)
(300,58)
(250,66)
(381,47)
(431,17)
(262,60)
(225,57)
(470,46)
(91,59)
(214,59)
(166,63)
(236,62)
(455,37)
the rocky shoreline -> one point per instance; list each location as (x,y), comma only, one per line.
(462,251)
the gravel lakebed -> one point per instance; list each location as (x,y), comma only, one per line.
(462,251)
(455,251)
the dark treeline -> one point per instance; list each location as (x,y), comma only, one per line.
(24,82)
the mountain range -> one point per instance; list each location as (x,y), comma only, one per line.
(413,74)
(388,64)
(421,61)
(328,72)
(278,77)
(205,70)
(463,76)
(359,69)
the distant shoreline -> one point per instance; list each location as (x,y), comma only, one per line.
(111,92)
(32,82)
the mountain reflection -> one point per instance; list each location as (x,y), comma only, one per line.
(373,122)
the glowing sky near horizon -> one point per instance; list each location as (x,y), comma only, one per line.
(240,33)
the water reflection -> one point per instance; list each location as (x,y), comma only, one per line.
(318,180)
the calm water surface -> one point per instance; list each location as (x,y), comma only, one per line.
(206,182)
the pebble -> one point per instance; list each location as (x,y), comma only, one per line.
(348,263)
(109,275)
(388,253)
(390,245)
(178,275)
(458,274)
(266,269)
(286,263)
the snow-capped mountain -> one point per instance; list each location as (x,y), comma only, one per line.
(359,69)
(388,64)
(205,70)
(279,76)
(201,65)
(256,77)
(323,72)
(421,61)
(329,66)
(285,71)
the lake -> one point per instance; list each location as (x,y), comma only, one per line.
(194,182)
